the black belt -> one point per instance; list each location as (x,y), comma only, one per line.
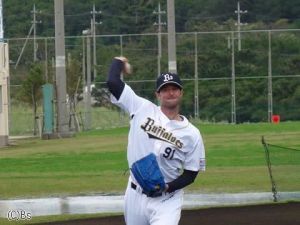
(134,187)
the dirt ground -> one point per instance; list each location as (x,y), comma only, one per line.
(267,214)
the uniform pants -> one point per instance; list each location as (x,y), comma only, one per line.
(143,210)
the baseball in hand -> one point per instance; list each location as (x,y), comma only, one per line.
(127,68)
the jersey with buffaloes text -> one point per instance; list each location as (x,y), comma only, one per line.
(177,145)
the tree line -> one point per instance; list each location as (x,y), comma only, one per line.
(136,16)
(214,53)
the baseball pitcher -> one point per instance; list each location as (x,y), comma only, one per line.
(165,151)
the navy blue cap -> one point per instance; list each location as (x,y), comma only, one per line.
(168,78)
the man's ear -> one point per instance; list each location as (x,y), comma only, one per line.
(157,95)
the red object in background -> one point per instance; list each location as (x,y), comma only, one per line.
(276,118)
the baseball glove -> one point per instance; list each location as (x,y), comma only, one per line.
(147,173)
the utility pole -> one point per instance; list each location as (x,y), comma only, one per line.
(93,29)
(159,24)
(121,52)
(239,24)
(171,37)
(60,69)
(4,86)
(270,93)
(23,48)
(196,95)
(84,76)
(46,61)
(233,107)
(87,78)
(121,45)
(34,22)
(1,22)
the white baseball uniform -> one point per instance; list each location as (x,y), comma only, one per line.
(177,145)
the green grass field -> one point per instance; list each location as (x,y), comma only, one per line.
(95,162)
(22,119)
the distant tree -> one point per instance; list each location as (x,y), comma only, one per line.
(74,79)
(74,87)
(31,89)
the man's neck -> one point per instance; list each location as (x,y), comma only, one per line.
(172,114)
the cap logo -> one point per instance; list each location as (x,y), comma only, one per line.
(168,77)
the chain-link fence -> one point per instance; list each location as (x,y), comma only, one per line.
(221,82)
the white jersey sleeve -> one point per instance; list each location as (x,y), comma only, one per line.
(195,159)
(129,101)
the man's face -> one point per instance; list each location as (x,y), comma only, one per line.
(169,96)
